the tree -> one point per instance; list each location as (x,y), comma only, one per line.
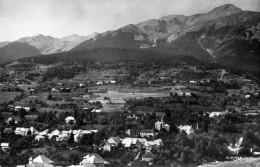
(22,113)
(71,139)
(49,97)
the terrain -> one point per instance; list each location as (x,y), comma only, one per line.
(17,50)
(225,35)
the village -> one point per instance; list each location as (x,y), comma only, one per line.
(104,117)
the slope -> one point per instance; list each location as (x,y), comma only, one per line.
(16,50)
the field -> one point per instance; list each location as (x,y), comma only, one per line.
(240,162)
(8,95)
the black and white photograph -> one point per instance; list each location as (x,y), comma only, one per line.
(129,83)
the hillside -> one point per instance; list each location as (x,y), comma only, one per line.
(225,34)
(17,50)
(113,55)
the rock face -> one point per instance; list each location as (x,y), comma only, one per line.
(17,50)
(2,44)
(48,44)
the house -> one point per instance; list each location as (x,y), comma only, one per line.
(186,128)
(18,108)
(148,156)
(193,82)
(8,130)
(31,117)
(54,133)
(110,143)
(95,159)
(39,137)
(96,110)
(40,161)
(159,125)
(114,140)
(128,132)
(217,114)
(129,141)
(147,133)
(24,131)
(54,90)
(21,131)
(99,83)
(13,120)
(5,146)
(81,85)
(107,146)
(70,120)
(148,145)
(112,82)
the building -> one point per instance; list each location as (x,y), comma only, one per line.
(112,82)
(99,83)
(147,133)
(107,146)
(40,161)
(8,130)
(186,128)
(114,140)
(70,120)
(5,146)
(24,131)
(21,131)
(95,159)
(148,156)
(31,117)
(159,125)
(128,132)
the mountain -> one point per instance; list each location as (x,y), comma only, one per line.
(2,44)
(226,34)
(17,50)
(48,44)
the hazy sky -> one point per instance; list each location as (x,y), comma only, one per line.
(19,18)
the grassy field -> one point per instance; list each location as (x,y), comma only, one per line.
(8,95)
(239,162)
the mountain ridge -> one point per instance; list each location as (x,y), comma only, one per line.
(17,50)
(48,44)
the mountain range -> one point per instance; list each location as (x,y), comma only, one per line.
(226,34)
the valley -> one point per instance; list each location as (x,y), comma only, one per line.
(175,91)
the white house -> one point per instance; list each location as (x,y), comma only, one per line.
(159,125)
(96,110)
(70,119)
(5,146)
(54,90)
(107,146)
(147,133)
(148,156)
(99,83)
(95,159)
(81,85)
(21,131)
(186,128)
(114,140)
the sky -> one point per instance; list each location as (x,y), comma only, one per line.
(58,18)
